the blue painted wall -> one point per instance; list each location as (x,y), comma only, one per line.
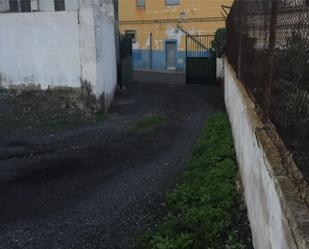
(141,59)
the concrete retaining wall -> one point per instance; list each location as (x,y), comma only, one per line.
(279,220)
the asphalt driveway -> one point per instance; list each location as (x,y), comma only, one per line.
(99,185)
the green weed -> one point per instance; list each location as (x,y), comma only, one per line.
(148,124)
(202,206)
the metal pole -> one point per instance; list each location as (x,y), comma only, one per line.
(150,52)
(186,59)
(270,58)
(240,25)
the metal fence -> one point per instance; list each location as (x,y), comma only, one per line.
(198,45)
(268,47)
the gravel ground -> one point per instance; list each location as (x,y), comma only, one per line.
(99,184)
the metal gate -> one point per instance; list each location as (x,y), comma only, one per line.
(200,62)
(126,64)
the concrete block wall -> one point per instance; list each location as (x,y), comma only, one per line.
(279,219)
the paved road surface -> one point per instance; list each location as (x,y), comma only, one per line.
(161,77)
(100,185)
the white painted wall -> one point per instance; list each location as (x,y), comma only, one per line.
(61,48)
(34,5)
(71,5)
(46,5)
(87,44)
(105,50)
(220,68)
(40,48)
(4,5)
(270,226)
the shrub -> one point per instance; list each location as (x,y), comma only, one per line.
(219,42)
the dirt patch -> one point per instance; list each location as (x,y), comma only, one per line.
(36,111)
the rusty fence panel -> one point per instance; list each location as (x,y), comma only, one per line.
(268,47)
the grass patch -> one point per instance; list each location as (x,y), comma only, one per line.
(148,124)
(202,206)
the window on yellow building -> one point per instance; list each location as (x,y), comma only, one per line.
(140,4)
(172,2)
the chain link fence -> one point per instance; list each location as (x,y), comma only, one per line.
(268,47)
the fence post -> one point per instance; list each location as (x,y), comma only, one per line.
(270,58)
(239,59)
(150,51)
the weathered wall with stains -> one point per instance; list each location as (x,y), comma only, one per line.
(194,16)
(64,48)
(105,50)
(4,5)
(40,48)
(278,218)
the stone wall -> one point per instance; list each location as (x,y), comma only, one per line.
(279,220)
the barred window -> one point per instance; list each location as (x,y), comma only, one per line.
(20,5)
(59,5)
(13,6)
(25,6)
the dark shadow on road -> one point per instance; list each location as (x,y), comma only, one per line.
(99,185)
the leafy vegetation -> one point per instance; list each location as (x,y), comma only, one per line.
(219,43)
(148,124)
(202,207)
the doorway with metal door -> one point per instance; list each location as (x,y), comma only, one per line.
(171,53)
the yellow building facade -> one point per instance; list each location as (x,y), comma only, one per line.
(159,28)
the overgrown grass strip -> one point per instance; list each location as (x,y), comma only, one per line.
(202,206)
